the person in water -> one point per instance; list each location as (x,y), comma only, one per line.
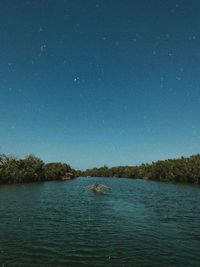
(96,185)
(98,188)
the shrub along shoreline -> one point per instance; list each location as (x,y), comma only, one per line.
(33,169)
(185,170)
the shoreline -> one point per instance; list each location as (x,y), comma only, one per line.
(184,170)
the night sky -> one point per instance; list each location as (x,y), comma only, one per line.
(100,82)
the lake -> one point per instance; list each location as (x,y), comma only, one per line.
(140,223)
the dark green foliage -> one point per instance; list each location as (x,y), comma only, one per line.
(185,170)
(56,170)
(30,169)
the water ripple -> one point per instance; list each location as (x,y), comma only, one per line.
(140,223)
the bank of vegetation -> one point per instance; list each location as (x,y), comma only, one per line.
(33,169)
(186,170)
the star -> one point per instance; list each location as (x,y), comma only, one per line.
(76,79)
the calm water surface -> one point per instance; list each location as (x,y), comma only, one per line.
(141,223)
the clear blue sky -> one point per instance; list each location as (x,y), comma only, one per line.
(100,82)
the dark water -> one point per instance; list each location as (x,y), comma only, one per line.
(141,223)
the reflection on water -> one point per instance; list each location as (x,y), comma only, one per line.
(140,223)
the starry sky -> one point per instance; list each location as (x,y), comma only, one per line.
(100,82)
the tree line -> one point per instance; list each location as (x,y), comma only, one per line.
(185,169)
(31,169)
